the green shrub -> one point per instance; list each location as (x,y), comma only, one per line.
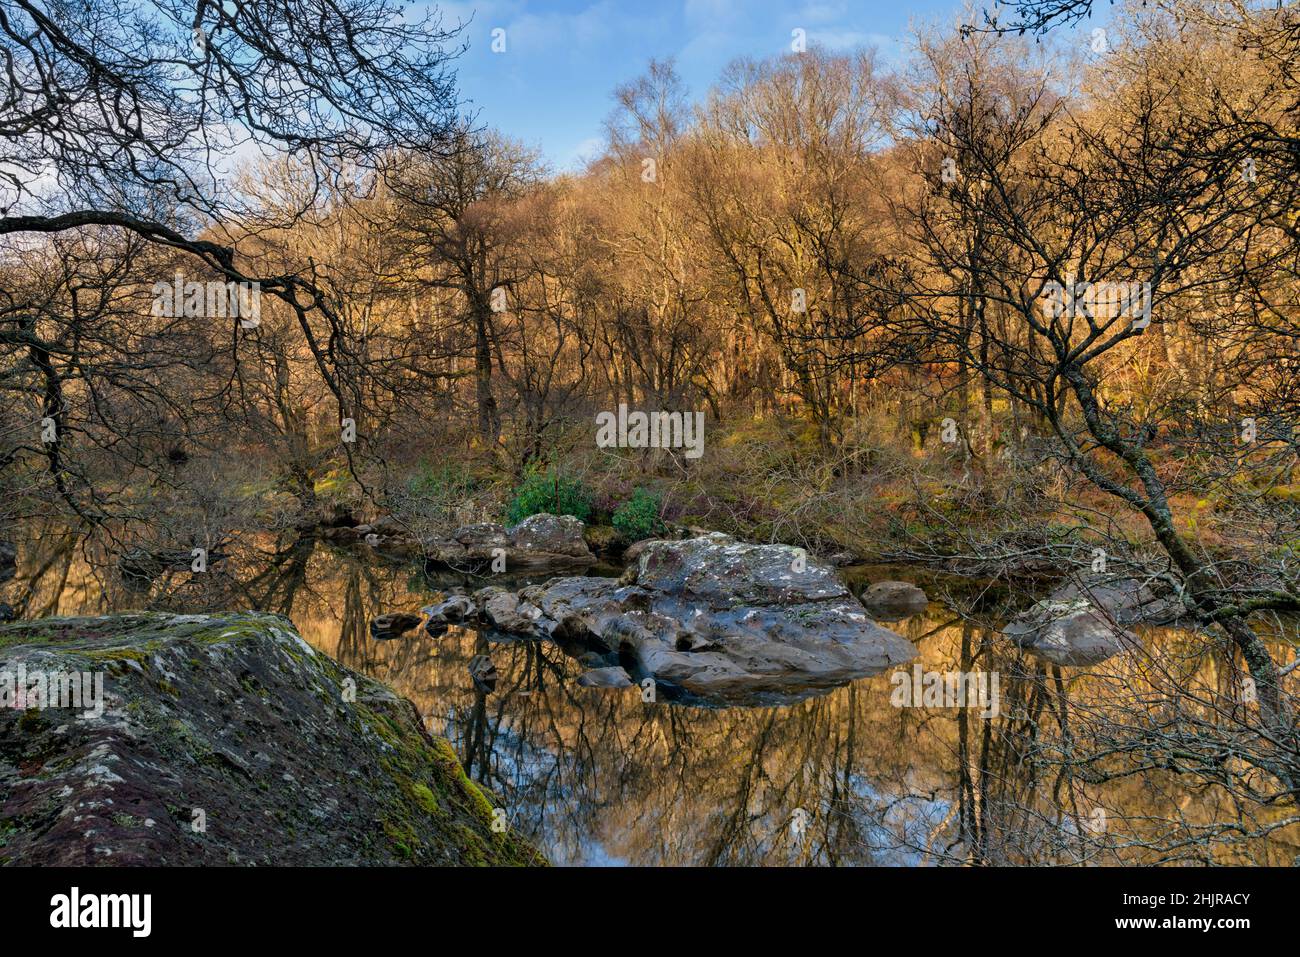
(638,517)
(549,492)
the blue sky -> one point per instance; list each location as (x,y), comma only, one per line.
(552,87)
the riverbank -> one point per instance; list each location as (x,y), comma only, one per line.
(223,740)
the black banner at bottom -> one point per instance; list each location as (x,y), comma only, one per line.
(145,907)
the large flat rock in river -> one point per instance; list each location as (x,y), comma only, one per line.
(722,620)
(223,739)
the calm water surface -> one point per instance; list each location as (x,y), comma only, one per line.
(602,777)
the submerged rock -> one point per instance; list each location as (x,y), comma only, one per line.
(225,739)
(612,677)
(453,610)
(723,620)
(1082,626)
(891,600)
(393,625)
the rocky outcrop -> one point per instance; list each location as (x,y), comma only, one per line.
(671,533)
(495,607)
(548,540)
(893,601)
(720,620)
(633,552)
(224,739)
(478,544)
(1081,625)
(507,612)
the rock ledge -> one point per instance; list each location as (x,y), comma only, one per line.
(226,739)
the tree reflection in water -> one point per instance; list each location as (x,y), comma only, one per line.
(1074,768)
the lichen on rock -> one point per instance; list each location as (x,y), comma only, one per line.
(227,739)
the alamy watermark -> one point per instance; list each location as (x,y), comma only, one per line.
(78,690)
(952,689)
(651,430)
(75,909)
(209,300)
(1099,300)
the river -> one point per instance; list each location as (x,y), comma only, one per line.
(604,777)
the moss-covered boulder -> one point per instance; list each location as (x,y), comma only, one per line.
(222,739)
